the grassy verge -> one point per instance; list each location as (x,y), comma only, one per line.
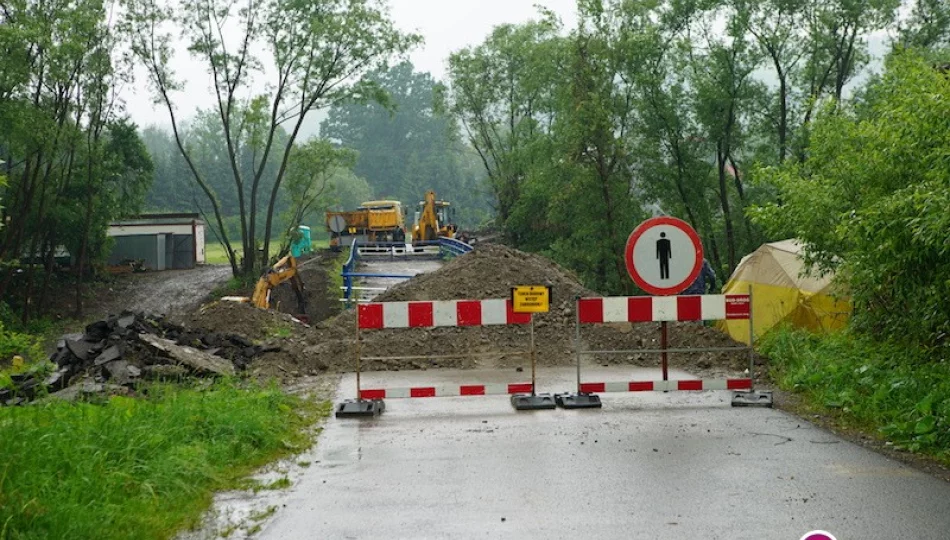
(139,468)
(873,387)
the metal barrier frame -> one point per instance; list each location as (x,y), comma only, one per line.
(373,395)
(664,350)
(447,246)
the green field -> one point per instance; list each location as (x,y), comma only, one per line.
(215,253)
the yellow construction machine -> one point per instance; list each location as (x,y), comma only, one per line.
(373,221)
(434,220)
(285,270)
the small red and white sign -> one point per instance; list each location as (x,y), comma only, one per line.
(664,256)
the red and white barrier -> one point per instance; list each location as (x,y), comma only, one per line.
(664,308)
(377,316)
(447,391)
(666,386)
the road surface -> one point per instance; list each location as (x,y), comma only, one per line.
(657,466)
(170,292)
(407,266)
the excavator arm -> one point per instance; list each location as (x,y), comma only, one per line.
(285,270)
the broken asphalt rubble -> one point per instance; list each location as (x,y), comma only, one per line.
(118,352)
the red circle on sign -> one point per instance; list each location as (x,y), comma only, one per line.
(640,231)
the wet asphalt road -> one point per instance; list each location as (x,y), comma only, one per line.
(657,466)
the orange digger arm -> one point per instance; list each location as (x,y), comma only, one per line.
(284,270)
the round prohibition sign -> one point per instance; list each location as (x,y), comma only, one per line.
(664,256)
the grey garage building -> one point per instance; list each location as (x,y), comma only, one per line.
(163,241)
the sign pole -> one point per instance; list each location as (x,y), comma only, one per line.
(663,346)
(533,359)
(577,340)
(751,342)
(532,300)
(359,354)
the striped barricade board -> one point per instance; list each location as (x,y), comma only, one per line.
(376,316)
(664,308)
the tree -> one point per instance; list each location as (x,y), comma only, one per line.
(871,202)
(928,26)
(308,186)
(406,147)
(58,79)
(314,51)
(502,92)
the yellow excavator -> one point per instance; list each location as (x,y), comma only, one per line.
(285,270)
(435,220)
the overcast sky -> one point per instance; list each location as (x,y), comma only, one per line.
(446,25)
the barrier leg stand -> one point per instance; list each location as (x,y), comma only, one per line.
(579,399)
(752,398)
(664,337)
(359,407)
(533,401)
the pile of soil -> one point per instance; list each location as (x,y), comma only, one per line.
(244,319)
(488,272)
(293,336)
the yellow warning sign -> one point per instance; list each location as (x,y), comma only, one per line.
(531,299)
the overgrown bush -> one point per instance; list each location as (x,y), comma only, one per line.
(17,343)
(893,389)
(871,200)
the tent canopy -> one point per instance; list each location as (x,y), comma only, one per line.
(784,292)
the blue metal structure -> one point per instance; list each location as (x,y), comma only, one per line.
(448,247)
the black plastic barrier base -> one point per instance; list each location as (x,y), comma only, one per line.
(353,408)
(527,402)
(753,398)
(578,401)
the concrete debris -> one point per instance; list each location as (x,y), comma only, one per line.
(120,351)
(198,361)
(108,355)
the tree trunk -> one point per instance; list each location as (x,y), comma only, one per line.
(724,201)
(87,222)
(49,264)
(783,117)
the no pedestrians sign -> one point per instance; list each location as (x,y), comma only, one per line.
(664,256)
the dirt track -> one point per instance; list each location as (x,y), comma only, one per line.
(173,292)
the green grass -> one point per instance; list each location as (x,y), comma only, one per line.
(874,387)
(139,468)
(216,254)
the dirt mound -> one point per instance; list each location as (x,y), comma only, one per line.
(244,319)
(294,338)
(490,272)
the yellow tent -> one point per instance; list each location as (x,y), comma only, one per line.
(781,293)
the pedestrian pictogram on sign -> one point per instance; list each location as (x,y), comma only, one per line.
(664,256)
